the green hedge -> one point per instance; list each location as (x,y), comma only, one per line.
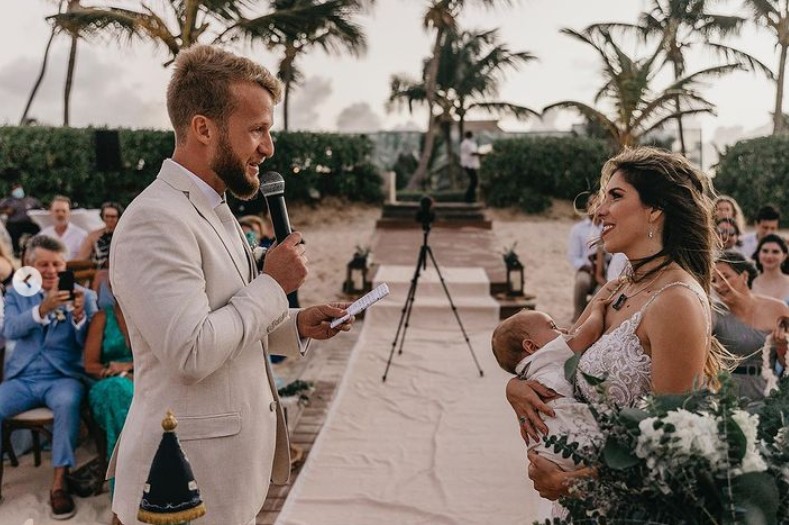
(526,172)
(756,172)
(50,161)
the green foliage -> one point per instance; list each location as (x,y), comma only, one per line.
(756,172)
(526,172)
(51,161)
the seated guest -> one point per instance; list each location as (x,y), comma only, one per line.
(108,358)
(15,208)
(97,244)
(773,265)
(258,231)
(743,322)
(728,233)
(7,267)
(69,234)
(727,208)
(45,368)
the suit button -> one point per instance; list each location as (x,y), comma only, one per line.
(272,406)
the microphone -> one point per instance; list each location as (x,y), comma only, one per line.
(272,186)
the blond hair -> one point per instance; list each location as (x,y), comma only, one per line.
(201,83)
(738,218)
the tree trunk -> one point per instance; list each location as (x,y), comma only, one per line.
(452,171)
(417,180)
(285,101)
(677,105)
(778,114)
(40,78)
(72,60)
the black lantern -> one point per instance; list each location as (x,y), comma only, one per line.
(356,280)
(514,273)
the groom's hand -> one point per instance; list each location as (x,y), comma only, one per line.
(314,322)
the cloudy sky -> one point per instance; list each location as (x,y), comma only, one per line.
(123,85)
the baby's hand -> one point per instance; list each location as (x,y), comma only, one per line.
(597,314)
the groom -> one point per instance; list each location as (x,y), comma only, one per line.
(201,320)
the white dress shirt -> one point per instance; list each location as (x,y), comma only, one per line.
(73,238)
(579,249)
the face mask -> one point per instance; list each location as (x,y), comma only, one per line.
(18,193)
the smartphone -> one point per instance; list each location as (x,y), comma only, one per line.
(66,283)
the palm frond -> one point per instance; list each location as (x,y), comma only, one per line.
(589,113)
(741,57)
(673,116)
(505,109)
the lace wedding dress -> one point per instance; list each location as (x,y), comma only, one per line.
(619,359)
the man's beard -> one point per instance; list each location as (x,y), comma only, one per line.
(232,171)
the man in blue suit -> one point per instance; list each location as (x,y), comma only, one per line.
(45,368)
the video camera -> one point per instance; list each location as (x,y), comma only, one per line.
(426,215)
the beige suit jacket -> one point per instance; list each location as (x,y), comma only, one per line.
(200,329)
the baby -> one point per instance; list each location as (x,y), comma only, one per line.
(530,345)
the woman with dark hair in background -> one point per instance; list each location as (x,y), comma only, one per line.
(97,244)
(771,261)
(744,321)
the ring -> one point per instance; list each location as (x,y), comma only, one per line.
(522,419)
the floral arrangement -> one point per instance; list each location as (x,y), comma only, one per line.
(694,459)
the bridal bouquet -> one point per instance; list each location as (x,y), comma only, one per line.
(694,459)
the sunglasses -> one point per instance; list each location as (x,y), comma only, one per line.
(727,232)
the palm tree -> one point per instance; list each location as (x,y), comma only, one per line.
(440,15)
(72,62)
(637,109)
(680,25)
(471,66)
(325,24)
(774,14)
(181,24)
(37,84)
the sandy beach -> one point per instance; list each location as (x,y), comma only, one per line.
(332,231)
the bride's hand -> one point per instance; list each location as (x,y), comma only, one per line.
(551,481)
(528,400)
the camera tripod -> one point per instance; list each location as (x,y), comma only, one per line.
(421,264)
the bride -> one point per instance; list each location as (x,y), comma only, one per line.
(657,335)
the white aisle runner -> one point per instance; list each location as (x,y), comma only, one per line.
(435,444)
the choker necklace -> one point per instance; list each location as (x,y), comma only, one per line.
(622,299)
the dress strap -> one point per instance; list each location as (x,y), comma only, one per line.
(699,294)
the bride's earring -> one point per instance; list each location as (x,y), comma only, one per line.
(651,233)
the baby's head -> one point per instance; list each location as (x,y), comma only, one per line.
(521,335)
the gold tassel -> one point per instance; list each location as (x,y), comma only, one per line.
(170,518)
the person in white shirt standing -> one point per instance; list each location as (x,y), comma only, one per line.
(469,161)
(767,219)
(69,234)
(581,253)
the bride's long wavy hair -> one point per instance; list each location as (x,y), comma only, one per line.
(669,182)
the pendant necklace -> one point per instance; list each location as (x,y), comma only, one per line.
(622,299)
